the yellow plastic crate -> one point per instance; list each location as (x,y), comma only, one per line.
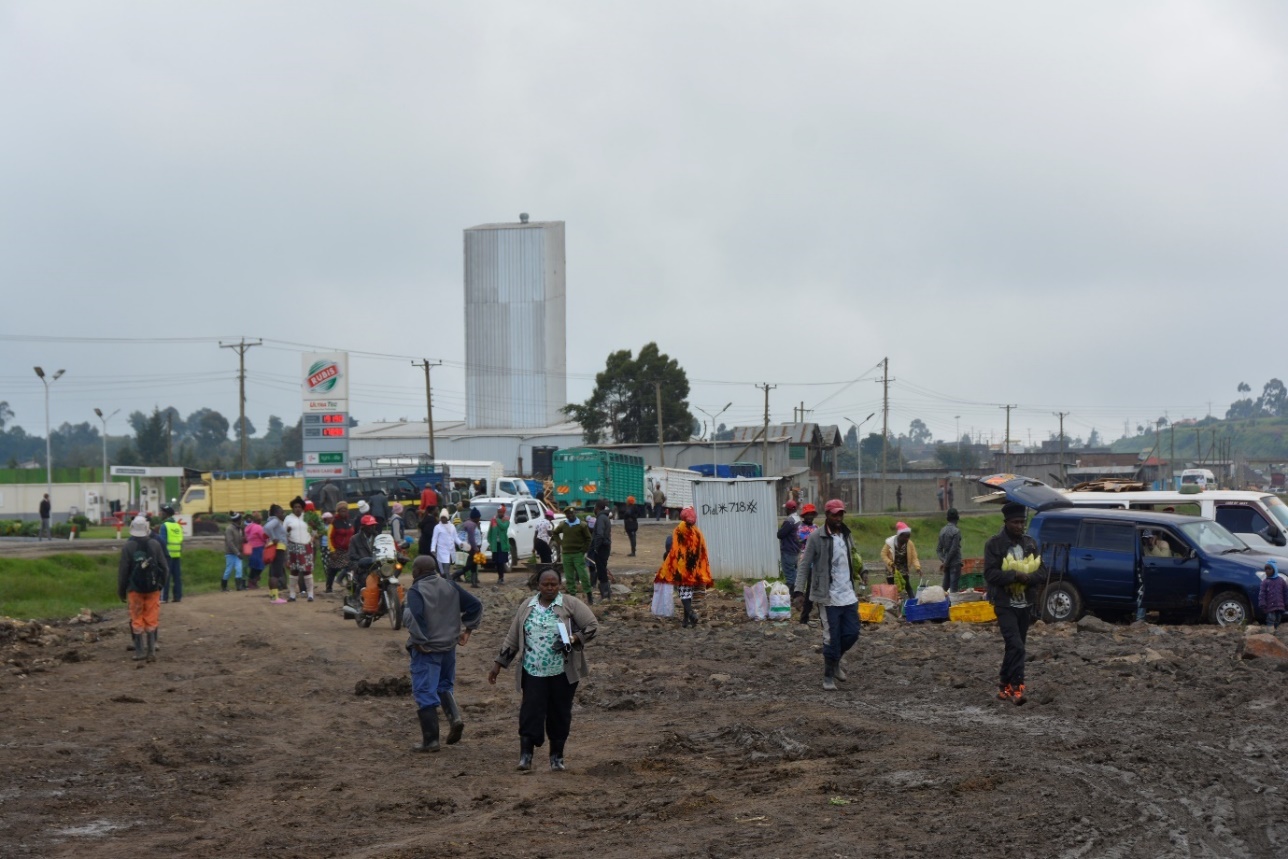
(972,612)
(871,612)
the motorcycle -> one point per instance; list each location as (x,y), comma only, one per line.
(387,564)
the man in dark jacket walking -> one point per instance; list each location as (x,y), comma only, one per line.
(439,615)
(601,545)
(45,513)
(631,522)
(1013,595)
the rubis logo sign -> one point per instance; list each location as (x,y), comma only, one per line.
(323,376)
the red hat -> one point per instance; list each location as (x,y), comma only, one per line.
(807,509)
(902,528)
(688,514)
(836,505)
(367,520)
(790,505)
(308,505)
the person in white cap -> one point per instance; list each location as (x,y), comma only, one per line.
(141,574)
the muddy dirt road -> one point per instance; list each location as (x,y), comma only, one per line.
(246,739)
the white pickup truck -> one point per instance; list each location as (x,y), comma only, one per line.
(524,513)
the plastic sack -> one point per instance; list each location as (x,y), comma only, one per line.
(890,592)
(663,600)
(931,594)
(757,601)
(780,602)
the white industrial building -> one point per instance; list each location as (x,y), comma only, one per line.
(453,440)
(515,321)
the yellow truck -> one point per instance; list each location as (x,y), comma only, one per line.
(225,491)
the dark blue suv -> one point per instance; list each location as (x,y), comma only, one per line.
(1098,560)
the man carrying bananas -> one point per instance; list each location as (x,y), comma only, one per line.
(1013,572)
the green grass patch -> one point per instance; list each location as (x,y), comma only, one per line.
(60,586)
(870,532)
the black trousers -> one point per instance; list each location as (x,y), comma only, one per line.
(601,570)
(630,535)
(546,710)
(1014,625)
(543,550)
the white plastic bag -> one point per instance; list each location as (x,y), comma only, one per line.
(663,599)
(931,594)
(780,602)
(757,601)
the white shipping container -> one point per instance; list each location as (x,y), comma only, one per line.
(677,483)
(739,520)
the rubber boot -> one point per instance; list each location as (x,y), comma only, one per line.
(525,753)
(241,584)
(829,675)
(428,730)
(152,646)
(223,585)
(590,597)
(556,763)
(138,647)
(690,617)
(839,673)
(456,725)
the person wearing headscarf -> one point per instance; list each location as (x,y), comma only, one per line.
(686,564)
(1013,595)
(1272,596)
(439,615)
(397,524)
(255,540)
(548,637)
(900,556)
(141,573)
(275,531)
(444,540)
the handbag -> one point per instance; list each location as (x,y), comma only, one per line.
(270,552)
(663,599)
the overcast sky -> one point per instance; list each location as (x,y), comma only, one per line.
(1047,205)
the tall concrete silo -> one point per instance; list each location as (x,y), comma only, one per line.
(515,339)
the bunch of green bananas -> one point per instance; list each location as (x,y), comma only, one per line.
(1027,564)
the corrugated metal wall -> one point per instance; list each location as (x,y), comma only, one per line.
(503,449)
(739,520)
(515,343)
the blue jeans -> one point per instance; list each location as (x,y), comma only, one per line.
(789,569)
(176,579)
(432,673)
(232,564)
(843,626)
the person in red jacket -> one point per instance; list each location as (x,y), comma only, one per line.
(341,533)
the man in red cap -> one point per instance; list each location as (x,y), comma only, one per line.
(789,543)
(826,575)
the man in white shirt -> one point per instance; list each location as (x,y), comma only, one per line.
(828,567)
(443,544)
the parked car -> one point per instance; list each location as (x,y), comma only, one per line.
(524,513)
(1096,560)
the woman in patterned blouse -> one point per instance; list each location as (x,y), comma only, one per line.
(548,636)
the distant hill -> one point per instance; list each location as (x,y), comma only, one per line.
(1252,438)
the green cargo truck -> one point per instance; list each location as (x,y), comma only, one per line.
(584,475)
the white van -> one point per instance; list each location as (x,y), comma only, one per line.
(1259,519)
(1203,478)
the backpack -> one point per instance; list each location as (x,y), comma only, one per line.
(145,572)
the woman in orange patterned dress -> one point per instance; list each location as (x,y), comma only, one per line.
(686,565)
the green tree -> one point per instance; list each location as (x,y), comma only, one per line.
(6,413)
(918,432)
(959,457)
(209,429)
(151,440)
(623,407)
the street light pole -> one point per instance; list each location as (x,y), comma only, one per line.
(103,498)
(858,459)
(49,448)
(715,466)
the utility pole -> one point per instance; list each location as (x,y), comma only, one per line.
(1006,442)
(765,440)
(1198,446)
(661,448)
(1171,459)
(885,423)
(169,435)
(429,401)
(241,348)
(1064,477)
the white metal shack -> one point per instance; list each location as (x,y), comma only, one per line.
(739,520)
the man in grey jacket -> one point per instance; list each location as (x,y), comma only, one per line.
(439,615)
(601,545)
(949,550)
(826,575)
